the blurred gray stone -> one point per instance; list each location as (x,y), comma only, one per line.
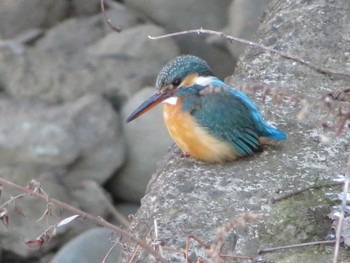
(147,142)
(20,15)
(92,198)
(72,35)
(121,16)
(89,247)
(77,33)
(183,14)
(82,138)
(36,135)
(117,64)
(84,7)
(244,19)
(138,58)
(60,147)
(127,209)
(100,139)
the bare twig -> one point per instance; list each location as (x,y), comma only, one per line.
(108,21)
(302,245)
(342,212)
(134,253)
(12,200)
(117,215)
(283,197)
(92,218)
(109,252)
(254,44)
(157,241)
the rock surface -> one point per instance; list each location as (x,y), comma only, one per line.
(19,16)
(192,198)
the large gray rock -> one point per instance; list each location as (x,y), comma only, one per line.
(83,7)
(83,138)
(121,16)
(189,197)
(89,247)
(72,35)
(75,34)
(176,14)
(137,58)
(22,15)
(147,140)
(117,65)
(60,147)
(244,17)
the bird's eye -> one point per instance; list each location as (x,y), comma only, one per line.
(176,82)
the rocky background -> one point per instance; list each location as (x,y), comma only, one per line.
(67,84)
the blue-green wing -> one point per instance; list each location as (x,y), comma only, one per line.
(226,117)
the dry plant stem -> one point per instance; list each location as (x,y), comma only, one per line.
(134,253)
(96,219)
(188,239)
(109,252)
(108,21)
(176,250)
(342,212)
(157,242)
(11,200)
(117,215)
(302,245)
(236,257)
(283,197)
(253,44)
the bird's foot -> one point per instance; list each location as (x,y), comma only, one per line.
(184,154)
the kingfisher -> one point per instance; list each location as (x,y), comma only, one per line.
(207,118)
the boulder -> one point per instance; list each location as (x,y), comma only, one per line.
(89,247)
(188,197)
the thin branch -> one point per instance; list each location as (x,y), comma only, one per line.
(12,200)
(134,253)
(254,44)
(302,245)
(283,197)
(109,252)
(108,21)
(117,215)
(96,219)
(342,212)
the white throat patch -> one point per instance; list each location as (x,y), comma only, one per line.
(204,81)
(171,100)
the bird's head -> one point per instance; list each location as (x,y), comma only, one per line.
(177,74)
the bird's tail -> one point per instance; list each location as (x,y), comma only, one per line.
(272,133)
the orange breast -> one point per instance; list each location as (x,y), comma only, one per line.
(193,139)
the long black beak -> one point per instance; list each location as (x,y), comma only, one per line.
(151,102)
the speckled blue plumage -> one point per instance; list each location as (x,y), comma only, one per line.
(229,115)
